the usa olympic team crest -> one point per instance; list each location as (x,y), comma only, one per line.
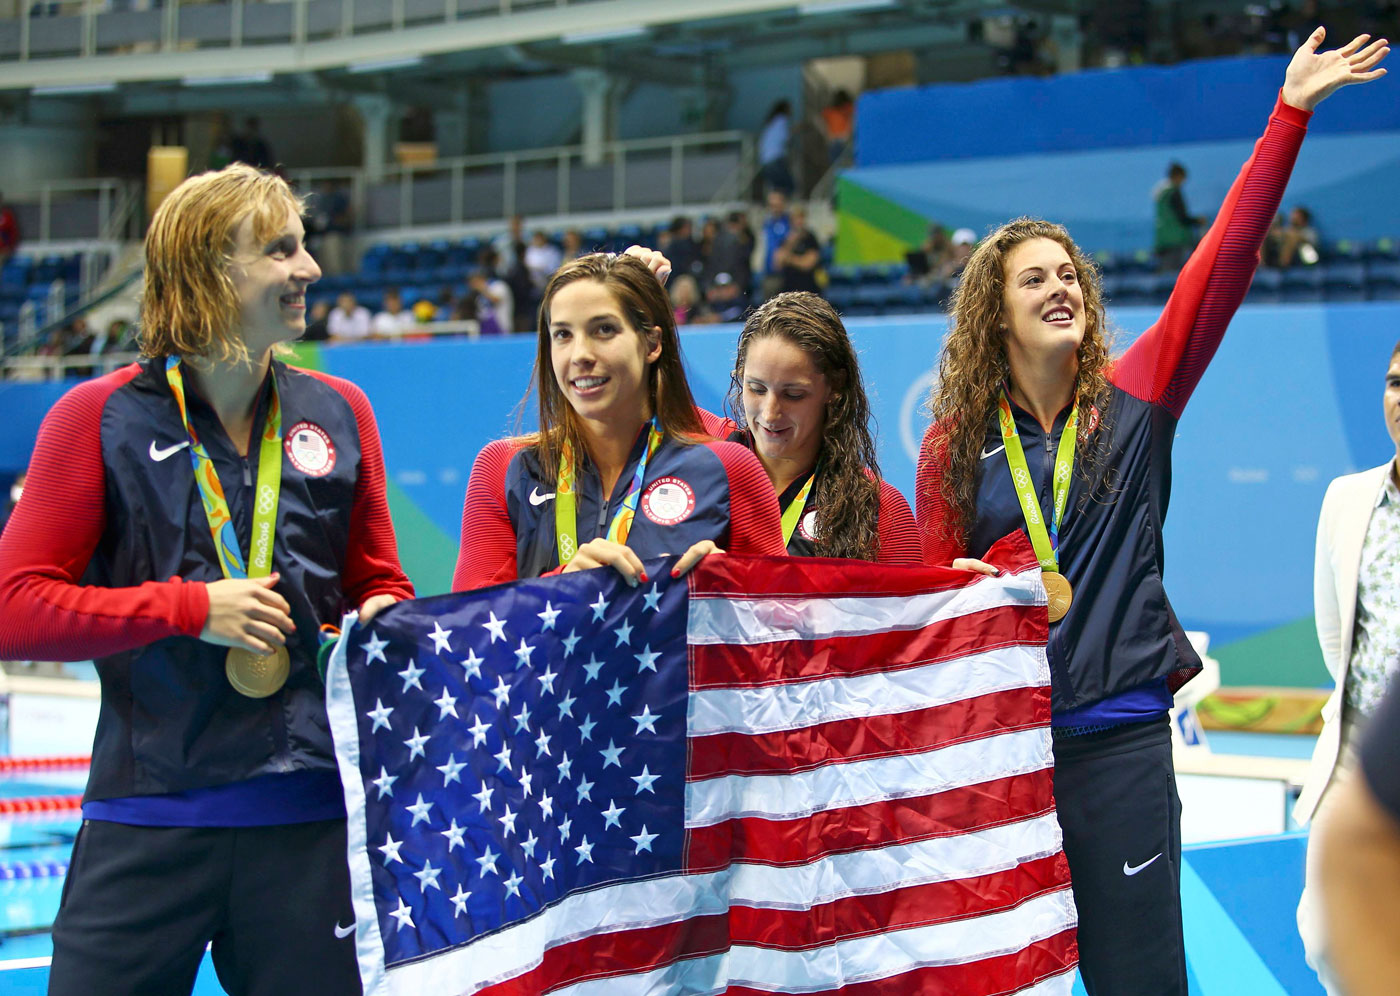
(668,500)
(807,525)
(310,449)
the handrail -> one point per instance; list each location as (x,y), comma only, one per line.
(116,204)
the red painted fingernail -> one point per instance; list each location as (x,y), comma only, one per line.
(675,572)
(644,577)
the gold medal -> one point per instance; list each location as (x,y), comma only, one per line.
(254,675)
(1058,593)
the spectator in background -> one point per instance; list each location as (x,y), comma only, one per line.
(776,228)
(1174,232)
(331,224)
(937,250)
(679,246)
(9,231)
(316,322)
(686,301)
(726,299)
(732,253)
(542,258)
(16,489)
(250,147)
(839,120)
(495,302)
(393,321)
(799,258)
(573,245)
(963,242)
(773,139)
(1299,240)
(510,244)
(349,320)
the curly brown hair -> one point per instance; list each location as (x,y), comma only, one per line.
(189,307)
(645,306)
(847,492)
(974,366)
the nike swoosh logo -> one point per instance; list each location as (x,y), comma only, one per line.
(538,499)
(158,454)
(987,453)
(343,932)
(1131,870)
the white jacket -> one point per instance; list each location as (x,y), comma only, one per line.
(1341,533)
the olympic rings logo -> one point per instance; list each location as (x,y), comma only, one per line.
(566,545)
(267,500)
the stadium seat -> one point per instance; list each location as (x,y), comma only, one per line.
(1302,283)
(1344,280)
(1267,287)
(1383,279)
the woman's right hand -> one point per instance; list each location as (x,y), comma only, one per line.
(1313,76)
(973,564)
(606,553)
(247,613)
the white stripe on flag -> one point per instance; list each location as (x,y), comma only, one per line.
(860,959)
(668,899)
(747,621)
(787,795)
(824,700)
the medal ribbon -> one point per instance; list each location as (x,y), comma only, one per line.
(211,492)
(1045,541)
(792,515)
(566,501)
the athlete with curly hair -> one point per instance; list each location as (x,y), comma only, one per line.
(1037,427)
(798,402)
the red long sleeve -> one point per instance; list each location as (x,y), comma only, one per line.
(716,425)
(486,553)
(930,508)
(899,537)
(755,520)
(1167,361)
(45,613)
(372,559)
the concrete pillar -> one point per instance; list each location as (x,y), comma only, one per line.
(596,87)
(1068,43)
(377,112)
(450,128)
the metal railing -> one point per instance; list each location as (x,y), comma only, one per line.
(102,209)
(632,175)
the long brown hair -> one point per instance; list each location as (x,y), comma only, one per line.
(645,306)
(974,366)
(189,307)
(847,492)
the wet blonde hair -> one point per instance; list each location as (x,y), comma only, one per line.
(190,306)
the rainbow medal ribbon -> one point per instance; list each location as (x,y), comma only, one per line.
(792,515)
(566,500)
(1058,591)
(254,675)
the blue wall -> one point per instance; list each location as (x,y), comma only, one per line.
(1205,101)
(1291,400)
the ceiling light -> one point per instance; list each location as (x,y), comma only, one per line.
(842,6)
(63,89)
(227,80)
(605,34)
(383,65)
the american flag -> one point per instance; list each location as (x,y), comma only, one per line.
(775,775)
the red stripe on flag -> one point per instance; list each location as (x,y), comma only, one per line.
(998,976)
(864,738)
(745,666)
(915,906)
(740,576)
(644,949)
(853,828)
(620,952)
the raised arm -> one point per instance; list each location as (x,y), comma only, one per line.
(486,553)
(1167,361)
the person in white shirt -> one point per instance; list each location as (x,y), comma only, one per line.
(348,319)
(393,321)
(495,302)
(542,258)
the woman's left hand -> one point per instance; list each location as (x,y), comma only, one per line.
(1314,76)
(654,261)
(693,556)
(374,605)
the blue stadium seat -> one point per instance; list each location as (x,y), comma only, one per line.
(1302,283)
(1267,287)
(841,296)
(1383,279)
(1136,287)
(1344,280)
